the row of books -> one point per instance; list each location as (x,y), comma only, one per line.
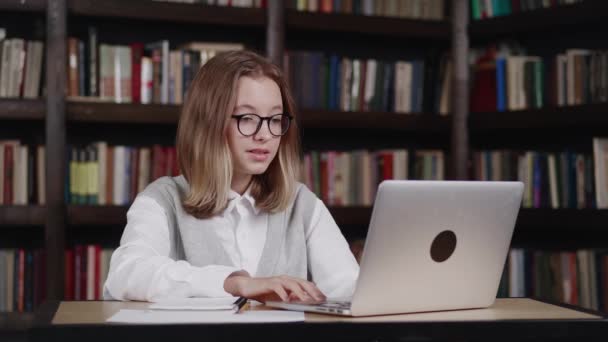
(22,279)
(86,269)
(413,9)
(135,73)
(113,175)
(503,81)
(22,176)
(551,180)
(574,277)
(483,9)
(346,84)
(351,178)
(20,67)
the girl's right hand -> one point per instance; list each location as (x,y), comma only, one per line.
(283,288)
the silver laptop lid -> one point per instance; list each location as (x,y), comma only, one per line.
(436,245)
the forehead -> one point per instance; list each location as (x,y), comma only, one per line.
(258,93)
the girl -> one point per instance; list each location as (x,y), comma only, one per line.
(236,222)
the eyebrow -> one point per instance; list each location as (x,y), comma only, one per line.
(250,107)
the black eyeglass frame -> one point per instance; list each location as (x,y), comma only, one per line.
(262,119)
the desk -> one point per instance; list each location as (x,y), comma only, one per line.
(512,319)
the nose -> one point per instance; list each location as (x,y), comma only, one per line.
(264,133)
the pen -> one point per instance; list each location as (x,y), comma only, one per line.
(238,305)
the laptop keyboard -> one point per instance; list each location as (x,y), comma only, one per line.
(334,304)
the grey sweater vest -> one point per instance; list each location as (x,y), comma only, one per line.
(193,239)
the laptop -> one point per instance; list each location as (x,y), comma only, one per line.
(431,246)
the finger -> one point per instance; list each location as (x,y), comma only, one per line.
(295,288)
(280,291)
(311,289)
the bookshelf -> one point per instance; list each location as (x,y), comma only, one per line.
(58,112)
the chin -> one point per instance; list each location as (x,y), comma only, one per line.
(257,169)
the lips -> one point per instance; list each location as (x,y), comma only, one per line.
(259,151)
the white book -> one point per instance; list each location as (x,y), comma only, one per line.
(119,175)
(446,91)
(3,282)
(5,67)
(356,80)
(17,65)
(553,189)
(143,177)
(146,80)
(102,154)
(90,292)
(41,174)
(164,91)
(600,161)
(370,82)
(117,60)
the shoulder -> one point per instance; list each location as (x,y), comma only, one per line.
(166,191)
(305,200)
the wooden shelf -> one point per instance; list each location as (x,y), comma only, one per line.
(122,113)
(350,23)
(169,114)
(18,109)
(23,5)
(582,13)
(589,115)
(375,120)
(169,12)
(576,220)
(22,215)
(15,321)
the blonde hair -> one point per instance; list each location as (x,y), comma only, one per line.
(202,145)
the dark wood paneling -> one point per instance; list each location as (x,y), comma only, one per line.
(18,109)
(169,12)
(22,215)
(357,24)
(541,20)
(23,5)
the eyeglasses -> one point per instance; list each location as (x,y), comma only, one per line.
(250,124)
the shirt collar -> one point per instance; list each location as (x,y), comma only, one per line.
(234,197)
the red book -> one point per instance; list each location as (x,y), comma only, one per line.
(21,283)
(8,173)
(83,273)
(98,279)
(78,261)
(483,92)
(137,52)
(69,275)
(326,6)
(171,162)
(158,162)
(175,170)
(387,165)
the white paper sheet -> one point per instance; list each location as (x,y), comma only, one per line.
(185,317)
(201,304)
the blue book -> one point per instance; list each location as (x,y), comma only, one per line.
(501,95)
(333,81)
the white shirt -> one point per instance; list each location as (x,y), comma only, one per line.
(142,268)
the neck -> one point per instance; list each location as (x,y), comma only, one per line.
(240,183)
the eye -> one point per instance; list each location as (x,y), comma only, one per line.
(247,118)
(276,119)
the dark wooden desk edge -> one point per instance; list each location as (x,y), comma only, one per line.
(503,330)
